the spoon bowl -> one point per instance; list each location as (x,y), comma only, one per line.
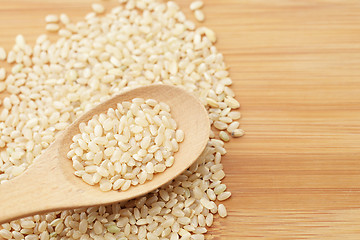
(49,184)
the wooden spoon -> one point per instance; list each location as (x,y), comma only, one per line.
(49,184)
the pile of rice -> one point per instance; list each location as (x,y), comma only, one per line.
(50,84)
(125,147)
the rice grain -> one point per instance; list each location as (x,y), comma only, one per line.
(199,15)
(98,8)
(2,54)
(52,27)
(93,60)
(196,5)
(222,210)
(51,18)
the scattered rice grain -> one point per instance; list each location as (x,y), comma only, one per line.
(52,27)
(2,54)
(237,133)
(51,18)
(98,8)
(223,196)
(199,15)
(222,210)
(224,136)
(196,5)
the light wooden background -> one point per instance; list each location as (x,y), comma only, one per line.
(296,71)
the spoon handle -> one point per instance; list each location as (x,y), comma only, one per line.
(34,191)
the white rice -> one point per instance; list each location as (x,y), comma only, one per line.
(137,43)
(123,136)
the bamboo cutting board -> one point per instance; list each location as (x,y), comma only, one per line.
(296,71)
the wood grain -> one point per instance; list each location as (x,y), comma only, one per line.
(296,71)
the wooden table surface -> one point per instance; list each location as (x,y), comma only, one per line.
(296,71)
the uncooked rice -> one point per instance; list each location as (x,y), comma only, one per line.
(199,15)
(222,210)
(126,146)
(52,27)
(51,18)
(137,43)
(196,5)
(98,8)
(2,54)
